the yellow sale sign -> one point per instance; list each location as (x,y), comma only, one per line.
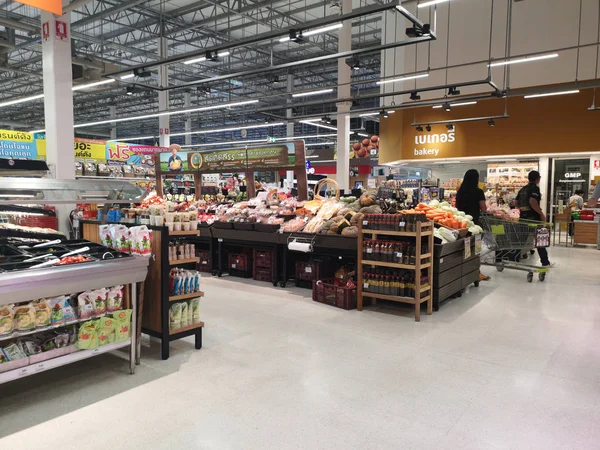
(53,6)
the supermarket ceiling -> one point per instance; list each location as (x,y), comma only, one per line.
(259,62)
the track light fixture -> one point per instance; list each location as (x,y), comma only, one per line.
(447,107)
(453,91)
(419,129)
(428,128)
(295,36)
(353,63)
(142,73)
(450,127)
(130,90)
(326,119)
(415,96)
(384,114)
(491,123)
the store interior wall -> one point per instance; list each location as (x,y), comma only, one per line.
(536,28)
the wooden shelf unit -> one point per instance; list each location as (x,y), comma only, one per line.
(178,298)
(184,233)
(176,262)
(194,326)
(424,230)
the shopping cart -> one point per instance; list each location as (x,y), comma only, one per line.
(509,240)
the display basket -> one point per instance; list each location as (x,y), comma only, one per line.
(243,226)
(223,225)
(322,184)
(266,227)
(325,291)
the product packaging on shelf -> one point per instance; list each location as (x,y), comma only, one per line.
(183,314)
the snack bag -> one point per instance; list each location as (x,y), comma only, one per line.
(85,306)
(87,338)
(13,352)
(175,317)
(57,312)
(61,340)
(72,333)
(98,298)
(121,238)
(24,318)
(42,313)
(195,309)
(7,316)
(30,347)
(184,314)
(106,331)
(122,324)
(106,236)
(68,310)
(190,313)
(196,281)
(114,301)
(141,240)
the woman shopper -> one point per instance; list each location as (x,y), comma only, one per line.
(471,200)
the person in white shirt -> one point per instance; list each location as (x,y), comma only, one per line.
(576,201)
(593,200)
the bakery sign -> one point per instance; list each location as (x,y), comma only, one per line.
(426,143)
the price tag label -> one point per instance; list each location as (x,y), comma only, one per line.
(365,223)
(220,240)
(39,368)
(402,224)
(204,263)
(281,229)
(23,372)
(441,260)
(308,269)
(467,248)
(366,286)
(398,254)
(233,266)
(478,244)
(373,151)
(369,250)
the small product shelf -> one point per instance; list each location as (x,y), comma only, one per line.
(194,326)
(423,240)
(176,262)
(184,233)
(177,298)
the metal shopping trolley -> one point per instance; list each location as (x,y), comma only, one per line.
(509,240)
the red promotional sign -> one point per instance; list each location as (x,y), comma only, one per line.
(46,31)
(61,31)
(597,164)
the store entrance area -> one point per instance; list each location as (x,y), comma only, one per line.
(510,363)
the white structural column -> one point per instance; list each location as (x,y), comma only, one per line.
(58,94)
(343,118)
(164,128)
(187,99)
(113,126)
(290,126)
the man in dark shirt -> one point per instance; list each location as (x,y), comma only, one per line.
(529,199)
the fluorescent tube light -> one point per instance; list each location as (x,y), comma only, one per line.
(431,3)
(203,58)
(549,94)
(318,143)
(522,60)
(228,129)
(164,113)
(306,94)
(368,114)
(317,124)
(322,29)
(131,139)
(127,77)
(362,134)
(80,87)
(21,100)
(455,104)
(409,77)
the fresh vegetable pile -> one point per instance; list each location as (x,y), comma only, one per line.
(444,214)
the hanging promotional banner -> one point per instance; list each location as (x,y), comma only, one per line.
(131,153)
(53,6)
(17,145)
(84,148)
(217,161)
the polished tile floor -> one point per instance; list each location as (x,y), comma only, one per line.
(510,365)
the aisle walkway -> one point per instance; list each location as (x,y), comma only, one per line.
(510,365)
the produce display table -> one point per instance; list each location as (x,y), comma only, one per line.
(585,232)
(455,268)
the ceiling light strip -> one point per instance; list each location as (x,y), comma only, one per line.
(203,58)
(455,104)
(317,124)
(431,3)
(306,94)
(523,60)
(404,78)
(131,139)
(550,94)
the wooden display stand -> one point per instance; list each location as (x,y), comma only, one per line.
(157,302)
(585,232)
(424,230)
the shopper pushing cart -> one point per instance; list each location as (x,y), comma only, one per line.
(511,239)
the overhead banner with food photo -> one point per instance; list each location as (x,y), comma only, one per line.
(365,147)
